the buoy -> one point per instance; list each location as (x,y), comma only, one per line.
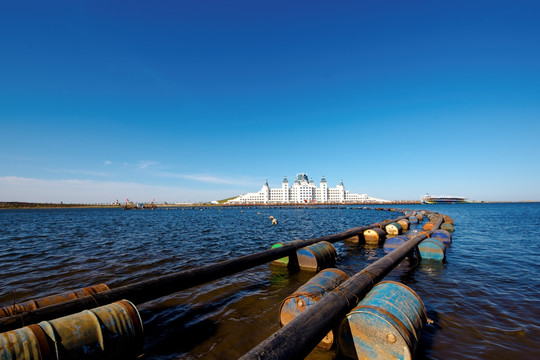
(386,324)
(308,294)
(108,332)
(274,222)
(271,217)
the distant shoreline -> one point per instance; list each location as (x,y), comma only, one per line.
(28,205)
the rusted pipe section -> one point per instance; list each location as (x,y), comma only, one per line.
(296,339)
(147,290)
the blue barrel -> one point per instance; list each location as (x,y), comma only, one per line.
(392,243)
(413,219)
(442,235)
(393,229)
(308,294)
(432,249)
(386,324)
(317,256)
(108,332)
(448,227)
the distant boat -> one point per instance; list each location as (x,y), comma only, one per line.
(443,199)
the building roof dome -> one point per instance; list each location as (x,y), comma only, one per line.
(323,180)
(285,179)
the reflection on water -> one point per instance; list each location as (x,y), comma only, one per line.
(484,302)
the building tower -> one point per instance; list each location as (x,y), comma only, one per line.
(324,190)
(285,189)
(266,192)
(341,191)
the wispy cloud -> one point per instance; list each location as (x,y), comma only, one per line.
(14,188)
(107,162)
(79,172)
(209,178)
(144,164)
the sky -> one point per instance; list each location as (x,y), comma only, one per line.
(187,101)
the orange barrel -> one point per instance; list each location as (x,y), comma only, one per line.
(108,332)
(51,300)
(442,235)
(413,219)
(448,227)
(317,256)
(308,294)
(374,236)
(419,216)
(448,219)
(432,249)
(392,243)
(404,224)
(386,324)
(393,228)
(428,226)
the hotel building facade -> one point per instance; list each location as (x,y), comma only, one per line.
(302,191)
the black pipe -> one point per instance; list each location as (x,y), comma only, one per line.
(296,339)
(151,289)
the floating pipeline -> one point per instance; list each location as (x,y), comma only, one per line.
(386,324)
(112,331)
(304,332)
(151,289)
(51,300)
(308,294)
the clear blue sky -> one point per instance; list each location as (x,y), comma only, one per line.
(203,100)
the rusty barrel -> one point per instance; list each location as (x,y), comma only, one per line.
(374,236)
(404,224)
(308,294)
(317,256)
(442,235)
(392,243)
(448,219)
(393,228)
(432,249)
(448,227)
(429,225)
(112,331)
(419,216)
(51,300)
(386,324)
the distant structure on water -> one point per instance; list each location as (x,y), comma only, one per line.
(443,199)
(303,191)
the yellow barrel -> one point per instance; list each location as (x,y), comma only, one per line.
(112,331)
(419,216)
(374,236)
(51,300)
(393,229)
(404,224)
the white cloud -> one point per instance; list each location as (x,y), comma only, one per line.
(107,162)
(13,188)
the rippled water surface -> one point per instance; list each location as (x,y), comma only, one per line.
(484,300)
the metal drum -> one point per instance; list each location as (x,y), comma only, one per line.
(404,224)
(432,249)
(393,229)
(442,235)
(317,256)
(413,219)
(374,236)
(448,227)
(108,332)
(386,324)
(308,294)
(419,216)
(392,243)
(51,300)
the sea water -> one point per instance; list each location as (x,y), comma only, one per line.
(484,300)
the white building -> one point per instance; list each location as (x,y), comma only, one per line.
(302,191)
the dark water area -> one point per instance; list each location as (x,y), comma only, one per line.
(484,300)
